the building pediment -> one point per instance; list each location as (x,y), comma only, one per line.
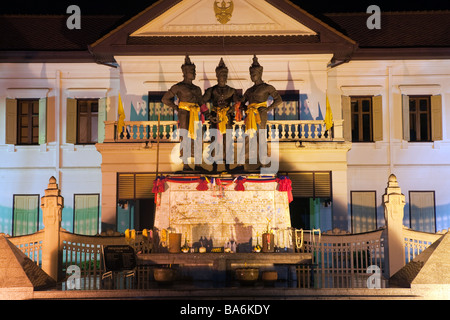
(250,26)
(242,18)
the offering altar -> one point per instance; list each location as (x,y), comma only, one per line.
(224,211)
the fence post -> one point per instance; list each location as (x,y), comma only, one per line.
(394,203)
(51,203)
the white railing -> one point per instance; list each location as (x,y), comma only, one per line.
(416,241)
(30,245)
(284,130)
(341,261)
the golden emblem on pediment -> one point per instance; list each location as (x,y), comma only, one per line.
(223,11)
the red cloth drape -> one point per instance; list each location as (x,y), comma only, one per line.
(285,184)
(240,184)
(203,185)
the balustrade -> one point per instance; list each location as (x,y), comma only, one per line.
(281,130)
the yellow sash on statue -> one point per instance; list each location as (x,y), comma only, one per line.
(222,113)
(193,109)
(253,119)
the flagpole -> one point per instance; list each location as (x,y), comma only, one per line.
(157,142)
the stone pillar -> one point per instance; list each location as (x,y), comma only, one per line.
(51,205)
(394,203)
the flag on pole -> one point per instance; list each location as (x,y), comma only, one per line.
(121,111)
(328,116)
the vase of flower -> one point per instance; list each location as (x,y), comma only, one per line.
(268,242)
(174,242)
(268,239)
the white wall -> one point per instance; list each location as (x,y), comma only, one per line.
(27,169)
(417,165)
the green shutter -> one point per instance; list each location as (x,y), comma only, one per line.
(405,112)
(422,207)
(25,215)
(11,121)
(86,214)
(347,117)
(436,117)
(377,109)
(101,119)
(71,121)
(42,120)
(363,211)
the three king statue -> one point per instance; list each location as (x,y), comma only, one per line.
(227,105)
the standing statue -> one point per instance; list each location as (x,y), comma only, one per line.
(254,103)
(189,103)
(221,96)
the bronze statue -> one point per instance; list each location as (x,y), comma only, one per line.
(256,97)
(254,103)
(189,102)
(221,96)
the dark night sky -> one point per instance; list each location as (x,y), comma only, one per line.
(132,7)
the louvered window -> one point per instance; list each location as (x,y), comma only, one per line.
(135,186)
(311,184)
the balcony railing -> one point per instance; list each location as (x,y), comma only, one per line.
(284,130)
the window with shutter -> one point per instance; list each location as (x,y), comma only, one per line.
(363,211)
(419,118)
(311,184)
(87,121)
(311,207)
(135,209)
(361,119)
(28,121)
(86,214)
(422,118)
(25,214)
(422,211)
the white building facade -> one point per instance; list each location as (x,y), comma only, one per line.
(390,106)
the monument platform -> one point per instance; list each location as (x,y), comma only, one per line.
(219,267)
(216,210)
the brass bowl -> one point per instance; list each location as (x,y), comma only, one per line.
(247,275)
(164,275)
